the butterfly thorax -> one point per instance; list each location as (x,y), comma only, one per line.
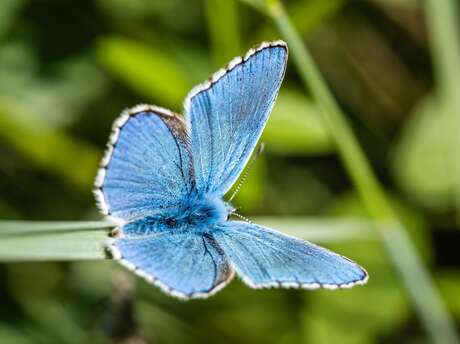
(198,211)
(203,210)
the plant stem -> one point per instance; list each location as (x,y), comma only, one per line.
(442,24)
(348,148)
(420,286)
(442,19)
(405,258)
(12,227)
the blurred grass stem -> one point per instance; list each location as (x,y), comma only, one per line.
(407,262)
(442,19)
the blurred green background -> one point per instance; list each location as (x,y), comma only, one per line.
(67,69)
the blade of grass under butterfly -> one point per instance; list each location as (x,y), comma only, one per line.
(37,240)
(12,227)
(73,245)
(83,240)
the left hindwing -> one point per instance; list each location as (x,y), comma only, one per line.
(227,114)
(181,262)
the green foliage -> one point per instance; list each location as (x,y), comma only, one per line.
(426,161)
(295,127)
(144,69)
(426,158)
(8,14)
(361,325)
(49,148)
(333,317)
(222,17)
(67,70)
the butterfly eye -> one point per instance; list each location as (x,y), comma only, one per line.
(115,232)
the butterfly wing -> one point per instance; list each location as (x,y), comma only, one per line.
(147,166)
(227,114)
(267,258)
(181,262)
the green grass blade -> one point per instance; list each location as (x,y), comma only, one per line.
(442,17)
(295,127)
(443,24)
(74,240)
(37,240)
(426,298)
(145,69)
(45,246)
(12,227)
(347,146)
(420,286)
(306,15)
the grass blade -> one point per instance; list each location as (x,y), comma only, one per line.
(426,299)
(144,69)
(12,227)
(419,285)
(86,240)
(73,245)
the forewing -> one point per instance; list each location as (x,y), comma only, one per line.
(267,258)
(147,166)
(227,114)
(181,262)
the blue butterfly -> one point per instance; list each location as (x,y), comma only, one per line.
(164,176)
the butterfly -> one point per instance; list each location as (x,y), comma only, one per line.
(164,176)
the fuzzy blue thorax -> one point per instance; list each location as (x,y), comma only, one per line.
(199,213)
(202,211)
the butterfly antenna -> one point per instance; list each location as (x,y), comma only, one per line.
(259,151)
(242,217)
